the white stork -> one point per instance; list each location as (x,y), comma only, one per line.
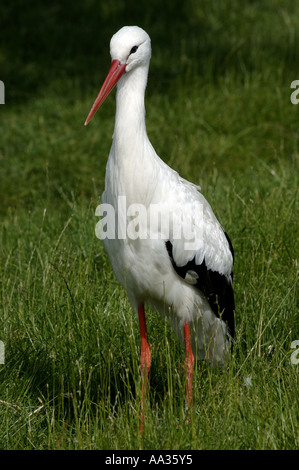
(184,267)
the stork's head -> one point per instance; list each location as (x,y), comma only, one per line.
(131,45)
(130,48)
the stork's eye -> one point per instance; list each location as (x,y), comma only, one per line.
(133,50)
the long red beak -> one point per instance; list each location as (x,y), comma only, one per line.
(116,71)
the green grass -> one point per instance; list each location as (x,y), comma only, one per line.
(219,112)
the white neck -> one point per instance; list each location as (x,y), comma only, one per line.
(132,161)
(130,130)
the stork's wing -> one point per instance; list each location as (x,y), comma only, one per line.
(202,254)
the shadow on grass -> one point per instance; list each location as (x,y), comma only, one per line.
(48,40)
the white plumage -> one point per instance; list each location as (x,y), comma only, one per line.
(189,284)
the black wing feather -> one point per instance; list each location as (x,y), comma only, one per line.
(216,287)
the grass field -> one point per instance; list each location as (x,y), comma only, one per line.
(219,112)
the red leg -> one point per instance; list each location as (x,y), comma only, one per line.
(145,360)
(189,362)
